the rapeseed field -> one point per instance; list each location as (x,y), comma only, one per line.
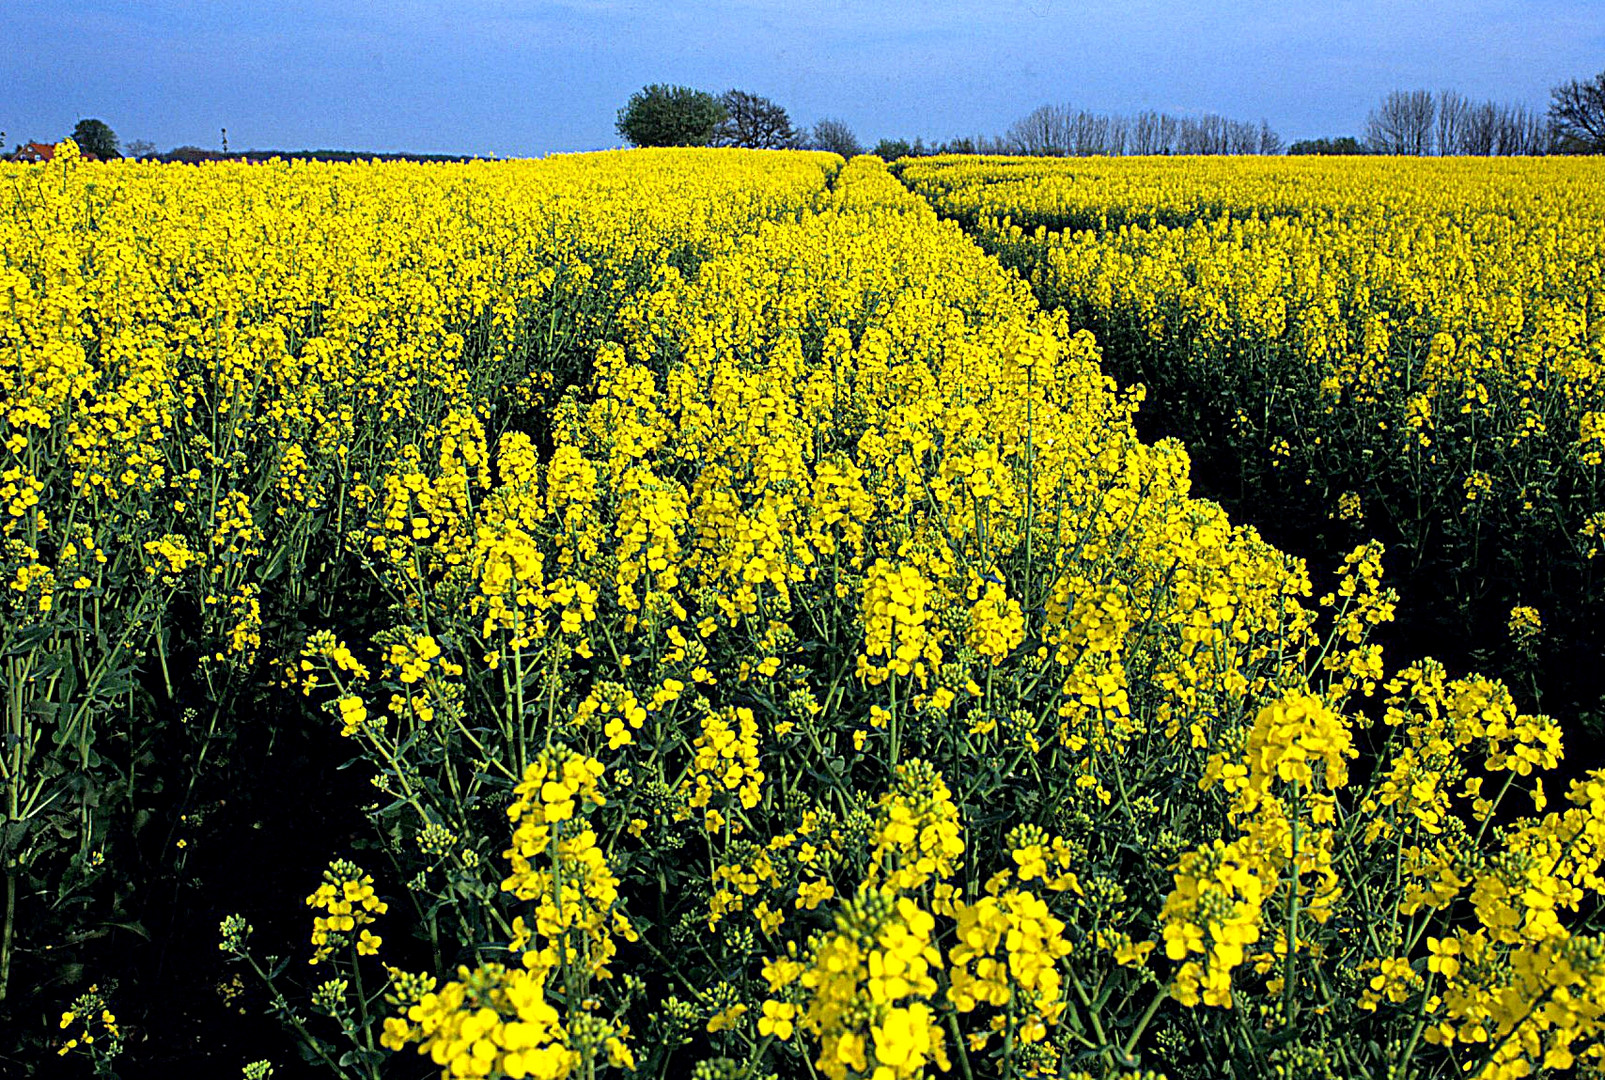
(763,644)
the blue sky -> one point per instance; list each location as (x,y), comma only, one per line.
(522,78)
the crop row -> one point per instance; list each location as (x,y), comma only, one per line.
(1406,350)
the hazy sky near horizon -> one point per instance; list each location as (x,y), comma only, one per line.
(523,78)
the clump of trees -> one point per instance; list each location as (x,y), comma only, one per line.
(892,149)
(1344,144)
(663,115)
(1060,131)
(1419,122)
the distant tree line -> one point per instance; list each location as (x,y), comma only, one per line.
(892,149)
(1419,122)
(1414,122)
(1060,131)
(193,154)
(95,137)
(1405,122)
(835,136)
(664,115)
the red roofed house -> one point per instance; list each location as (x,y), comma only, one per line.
(38,152)
(34,152)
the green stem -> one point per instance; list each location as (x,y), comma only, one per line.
(283,1006)
(958,1042)
(11,920)
(1160,993)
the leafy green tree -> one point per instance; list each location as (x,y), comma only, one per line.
(95,137)
(1346,144)
(663,115)
(892,149)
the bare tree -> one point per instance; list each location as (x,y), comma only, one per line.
(1452,109)
(1089,134)
(1521,131)
(1488,128)
(1212,134)
(753,122)
(1269,141)
(1479,130)
(1402,124)
(1541,138)
(1042,132)
(1577,113)
(992,144)
(1145,134)
(1242,138)
(1119,136)
(1193,136)
(835,136)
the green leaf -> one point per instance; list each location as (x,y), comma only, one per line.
(13,835)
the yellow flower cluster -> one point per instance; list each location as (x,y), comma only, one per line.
(93,1028)
(726,761)
(489,1021)
(916,838)
(870,984)
(1006,956)
(1214,912)
(556,863)
(997,625)
(1291,737)
(1521,983)
(349,905)
(896,610)
(496,1021)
